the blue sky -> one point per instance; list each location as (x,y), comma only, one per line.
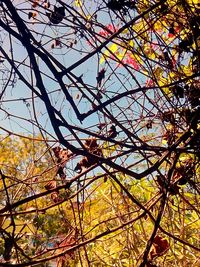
(17,100)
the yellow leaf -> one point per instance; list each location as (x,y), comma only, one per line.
(104,56)
(121,55)
(193,2)
(187,70)
(158,72)
(131,43)
(164,81)
(184,157)
(113,48)
(164,142)
(139,26)
(78,3)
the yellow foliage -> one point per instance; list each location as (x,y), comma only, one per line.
(111,48)
(78,3)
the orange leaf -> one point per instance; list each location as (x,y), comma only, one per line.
(35,3)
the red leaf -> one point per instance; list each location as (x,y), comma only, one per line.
(108,30)
(160,247)
(130,61)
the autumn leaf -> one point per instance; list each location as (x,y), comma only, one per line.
(129,60)
(50,185)
(117,5)
(46,4)
(35,3)
(160,247)
(62,155)
(101,125)
(111,48)
(114,5)
(57,15)
(55,197)
(32,15)
(109,29)
(100,76)
(178,91)
(78,3)
(86,162)
(112,132)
